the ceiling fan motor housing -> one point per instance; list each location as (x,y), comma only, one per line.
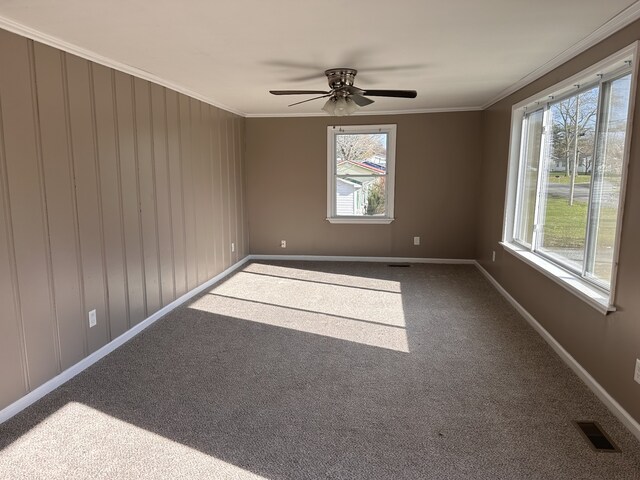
(340,77)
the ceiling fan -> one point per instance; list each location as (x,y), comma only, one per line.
(344,96)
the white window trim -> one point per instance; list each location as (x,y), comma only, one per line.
(332,217)
(600,299)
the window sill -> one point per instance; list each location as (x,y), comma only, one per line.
(593,296)
(359,220)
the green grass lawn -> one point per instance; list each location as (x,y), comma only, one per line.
(565,225)
(566,179)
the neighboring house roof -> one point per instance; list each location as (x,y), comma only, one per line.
(355,185)
(374,165)
(358,168)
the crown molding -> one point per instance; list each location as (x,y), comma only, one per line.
(28,32)
(621,20)
(366,114)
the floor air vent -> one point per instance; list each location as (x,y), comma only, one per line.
(598,440)
(398,265)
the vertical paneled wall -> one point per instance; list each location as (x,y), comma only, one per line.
(115,194)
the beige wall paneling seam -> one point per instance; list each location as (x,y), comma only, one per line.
(184,105)
(213,221)
(196,175)
(74,198)
(123,243)
(136,155)
(219,184)
(205,142)
(169,193)
(124,117)
(224,180)
(201,192)
(204,189)
(180,237)
(219,189)
(147,196)
(214,136)
(238,180)
(12,285)
(96,156)
(162,193)
(218,193)
(236,204)
(233,204)
(59,198)
(154,184)
(45,219)
(245,203)
(230,185)
(211,148)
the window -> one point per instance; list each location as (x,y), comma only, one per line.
(360,173)
(569,151)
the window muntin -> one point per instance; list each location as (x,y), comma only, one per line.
(570,173)
(360,173)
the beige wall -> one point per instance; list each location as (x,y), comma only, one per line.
(437,174)
(607,346)
(115,194)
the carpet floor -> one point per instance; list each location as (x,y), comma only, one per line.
(304,370)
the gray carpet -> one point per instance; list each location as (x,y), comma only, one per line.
(325,370)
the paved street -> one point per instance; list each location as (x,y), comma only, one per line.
(581,192)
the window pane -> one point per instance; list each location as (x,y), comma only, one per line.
(361,153)
(361,196)
(608,177)
(532,138)
(567,175)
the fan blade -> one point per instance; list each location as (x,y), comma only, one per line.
(360,100)
(296,92)
(391,93)
(309,99)
(351,89)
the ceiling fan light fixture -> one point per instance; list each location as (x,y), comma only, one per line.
(330,106)
(351,106)
(340,107)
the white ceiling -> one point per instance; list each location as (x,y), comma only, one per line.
(458,54)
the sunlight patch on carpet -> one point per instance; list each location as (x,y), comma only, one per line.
(323,277)
(366,315)
(85,443)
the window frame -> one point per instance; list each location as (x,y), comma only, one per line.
(590,290)
(332,132)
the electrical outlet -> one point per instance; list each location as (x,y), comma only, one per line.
(92,318)
(233,247)
(636,377)
(493,256)
(283,244)
(416,240)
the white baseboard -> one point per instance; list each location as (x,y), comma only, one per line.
(594,386)
(342,258)
(47,387)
